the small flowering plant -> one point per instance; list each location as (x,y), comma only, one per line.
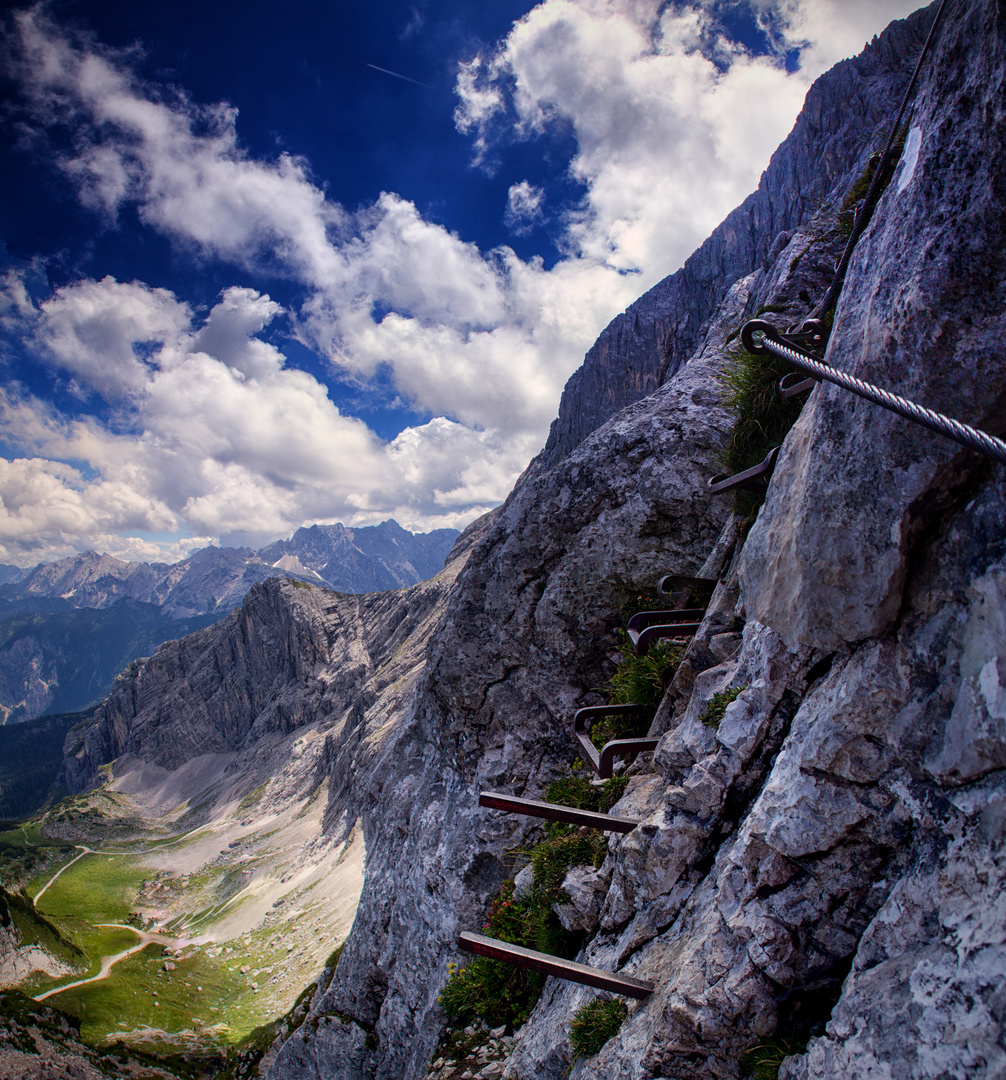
(501,993)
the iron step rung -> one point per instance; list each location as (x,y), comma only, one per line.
(481,945)
(754,479)
(603,761)
(592,819)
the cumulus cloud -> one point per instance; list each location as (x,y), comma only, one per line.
(673,124)
(826,31)
(367,274)
(215,433)
(524,207)
(212,431)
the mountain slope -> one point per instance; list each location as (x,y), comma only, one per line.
(804,859)
(54,657)
(826,859)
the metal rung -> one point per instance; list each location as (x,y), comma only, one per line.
(552,812)
(645,627)
(754,479)
(796,383)
(674,585)
(603,761)
(481,945)
(642,619)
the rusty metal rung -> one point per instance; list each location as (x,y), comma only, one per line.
(796,383)
(603,761)
(754,479)
(674,585)
(648,626)
(511,804)
(481,945)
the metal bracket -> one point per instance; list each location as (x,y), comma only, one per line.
(679,589)
(603,761)
(754,479)
(645,627)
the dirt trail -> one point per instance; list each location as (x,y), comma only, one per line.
(84,850)
(108,962)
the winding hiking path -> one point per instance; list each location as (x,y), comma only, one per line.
(145,938)
(108,962)
(84,850)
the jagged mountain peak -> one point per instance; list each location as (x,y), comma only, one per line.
(207,584)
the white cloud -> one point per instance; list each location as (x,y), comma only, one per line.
(213,432)
(216,434)
(524,207)
(98,331)
(826,31)
(183,167)
(671,132)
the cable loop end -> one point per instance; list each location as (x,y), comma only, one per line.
(752,334)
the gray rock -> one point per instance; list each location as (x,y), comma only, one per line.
(828,861)
(587,888)
(643,347)
(855,486)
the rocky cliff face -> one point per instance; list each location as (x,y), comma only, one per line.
(643,347)
(832,852)
(829,859)
(292,656)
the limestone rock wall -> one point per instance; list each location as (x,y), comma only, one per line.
(643,347)
(826,862)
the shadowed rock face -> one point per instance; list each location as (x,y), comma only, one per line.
(825,862)
(775,847)
(643,347)
(857,487)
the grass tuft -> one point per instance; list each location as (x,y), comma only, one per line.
(762,415)
(594,1024)
(578,791)
(762,1062)
(642,680)
(501,993)
(717,706)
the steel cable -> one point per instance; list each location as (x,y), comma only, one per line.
(943,425)
(878,183)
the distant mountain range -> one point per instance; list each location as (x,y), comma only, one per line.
(68,627)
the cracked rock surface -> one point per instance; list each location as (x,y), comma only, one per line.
(822,864)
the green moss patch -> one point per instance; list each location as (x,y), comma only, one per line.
(501,993)
(762,416)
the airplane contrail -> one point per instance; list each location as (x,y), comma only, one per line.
(404,78)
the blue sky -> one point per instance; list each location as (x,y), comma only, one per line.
(336,264)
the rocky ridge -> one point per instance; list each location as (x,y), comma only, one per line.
(216,579)
(645,345)
(827,861)
(54,658)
